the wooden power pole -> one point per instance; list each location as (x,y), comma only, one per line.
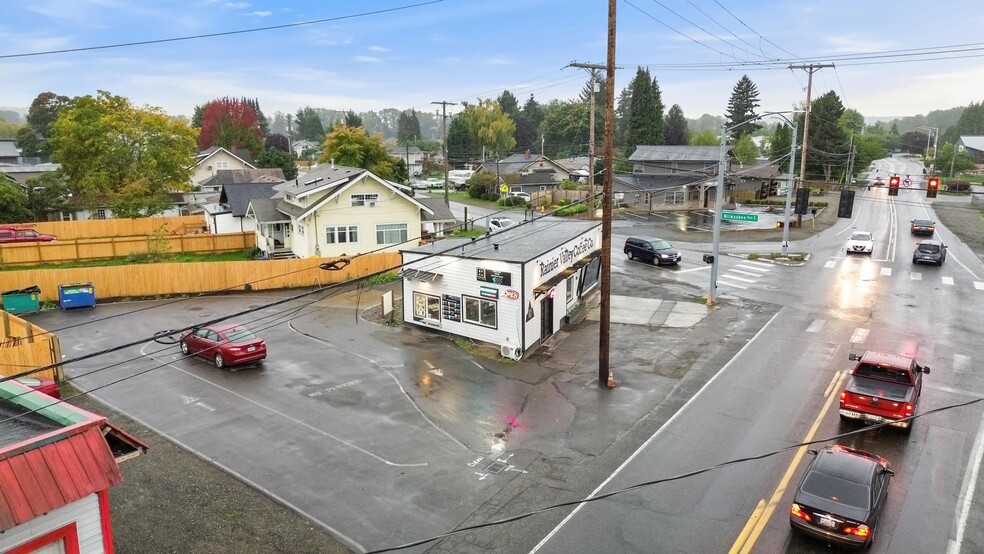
(810,70)
(444,145)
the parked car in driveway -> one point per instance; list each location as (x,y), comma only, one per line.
(497,224)
(524,195)
(842,496)
(929,252)
(860,243)
(651,249)
(923,227)
(226,344)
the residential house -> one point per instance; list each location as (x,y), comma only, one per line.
(57,464)
(211,161)
(974,146)
(412,156)
(22,172)
(336,210)
(758,181)
(438,219)
(537,173)
(228,215)
(578,166)
(79,210)
(654,192)
(304,145)
(699,163)
(9,154)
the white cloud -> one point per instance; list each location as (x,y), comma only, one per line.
(237,5)
(375,48)
(261,14)
(497,61)
(371,59)
(853,44)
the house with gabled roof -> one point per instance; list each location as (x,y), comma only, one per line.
(540,170)
(335,210)
(973,145)
(9,154)
(57,464)
(209,162)
(412,156)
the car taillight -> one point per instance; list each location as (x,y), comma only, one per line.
(843,396)
(796,511)
(908,409)
(859,531)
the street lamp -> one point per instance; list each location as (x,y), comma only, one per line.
(719,198)
(935,141)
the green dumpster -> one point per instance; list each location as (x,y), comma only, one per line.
(23,301)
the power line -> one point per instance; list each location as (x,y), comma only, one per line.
(752,30)
(650,16)
(220,34)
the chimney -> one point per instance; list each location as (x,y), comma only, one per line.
(527,153)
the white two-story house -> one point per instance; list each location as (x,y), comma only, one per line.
(336,210)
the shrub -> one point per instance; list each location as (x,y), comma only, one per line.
(958,186)
(567,184)
(565,202)
(511,201)
(477,190)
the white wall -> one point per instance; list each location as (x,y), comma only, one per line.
(85,514)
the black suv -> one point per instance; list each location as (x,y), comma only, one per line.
(651,249)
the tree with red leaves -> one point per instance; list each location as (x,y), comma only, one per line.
(231,124)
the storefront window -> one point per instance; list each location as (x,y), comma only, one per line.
(426,306)
(570,288)
(480,311)
(591,272)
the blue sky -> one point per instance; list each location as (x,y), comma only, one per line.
(459,50)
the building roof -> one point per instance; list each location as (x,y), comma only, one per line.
(332,180)
(240,153)
(402,151)
(972,142)
(674,153)
(573,164)
(13,169)
(520,243)
(762,170)
(8,149)
(264,210)
(236,176)
(517,163)
(646,182)
(441,211)
(53,454)
(237,196)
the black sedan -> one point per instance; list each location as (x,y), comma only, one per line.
(929,252)
(923,227)
(842,496)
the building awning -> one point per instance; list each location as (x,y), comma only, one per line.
(550,283)
(587,259)
(419,275)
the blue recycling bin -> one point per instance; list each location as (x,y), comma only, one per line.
(77,295)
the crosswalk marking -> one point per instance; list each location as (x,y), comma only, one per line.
(978,285)
(760,267)
(947,280)
(886,271)
(749,273)
(860,335)
(816,326)
(915,276)
(830,264)
(723,282)
(737,278)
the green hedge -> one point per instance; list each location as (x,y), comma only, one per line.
(571,210)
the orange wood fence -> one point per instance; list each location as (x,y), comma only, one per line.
(150,280)
(96,228)
(24,346)
(118,247)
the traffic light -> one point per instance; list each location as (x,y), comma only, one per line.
(893,185)
(932,186)
(846,206)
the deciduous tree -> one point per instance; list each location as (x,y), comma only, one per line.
(704,138)
(231,124)
(44,110)
(13,204)
(489,127)
(46,194)
(508,104)
(741,108)
(352,147)
(745,150)
(780,143)
(132,157)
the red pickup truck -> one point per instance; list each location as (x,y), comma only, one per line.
(883,388)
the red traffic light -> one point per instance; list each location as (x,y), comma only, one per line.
(934,183)
(893,181)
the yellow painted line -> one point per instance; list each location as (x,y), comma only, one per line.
(759,518)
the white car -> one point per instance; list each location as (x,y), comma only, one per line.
(497,224)
(860,243)
(524,195)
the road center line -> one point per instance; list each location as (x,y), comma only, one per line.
(744,543)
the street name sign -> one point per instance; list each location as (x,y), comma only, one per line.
(739,216)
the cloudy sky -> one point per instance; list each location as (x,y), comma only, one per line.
(891,59)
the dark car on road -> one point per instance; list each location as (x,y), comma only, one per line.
(226,344)
(923,227)
(929,252)
(651,249)
(842,496)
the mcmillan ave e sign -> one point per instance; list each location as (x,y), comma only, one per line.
(738,216)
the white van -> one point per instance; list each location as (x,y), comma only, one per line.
(457,177)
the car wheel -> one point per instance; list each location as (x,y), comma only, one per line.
(184,348)
(913,259)
(630,254)
(219,362)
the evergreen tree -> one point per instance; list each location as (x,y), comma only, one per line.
(261,119)
(460,143)
(645,118)
(828,144)
(408,127)
(509,104)
(272,158)
(352,119)
(676,131)
(307,125)
(622,104)
(780,143)
(741,108)
(277,141)
(533,113)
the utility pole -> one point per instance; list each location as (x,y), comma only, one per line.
(591,132)
(605,377)
(789,191)
(810,70)
(444,145)
(850,163)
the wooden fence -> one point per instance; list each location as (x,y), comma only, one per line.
(97,228)
(118,247)
(150,280)
(24,346)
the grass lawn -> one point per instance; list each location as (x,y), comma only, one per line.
(184,257)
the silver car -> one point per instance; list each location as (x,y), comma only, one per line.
(929,252)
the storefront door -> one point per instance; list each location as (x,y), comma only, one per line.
(546,317)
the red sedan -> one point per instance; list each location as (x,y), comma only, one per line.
(227,344)
(41,384)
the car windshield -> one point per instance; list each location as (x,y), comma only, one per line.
(660,245)
(922,223)
(861,236)
(240,335)
(838,490)
(929,248)
(504,222)
(884,373)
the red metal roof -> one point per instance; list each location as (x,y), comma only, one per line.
(55,470)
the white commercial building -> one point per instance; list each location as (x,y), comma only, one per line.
(514,288)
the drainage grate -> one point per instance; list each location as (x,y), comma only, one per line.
(495,468)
